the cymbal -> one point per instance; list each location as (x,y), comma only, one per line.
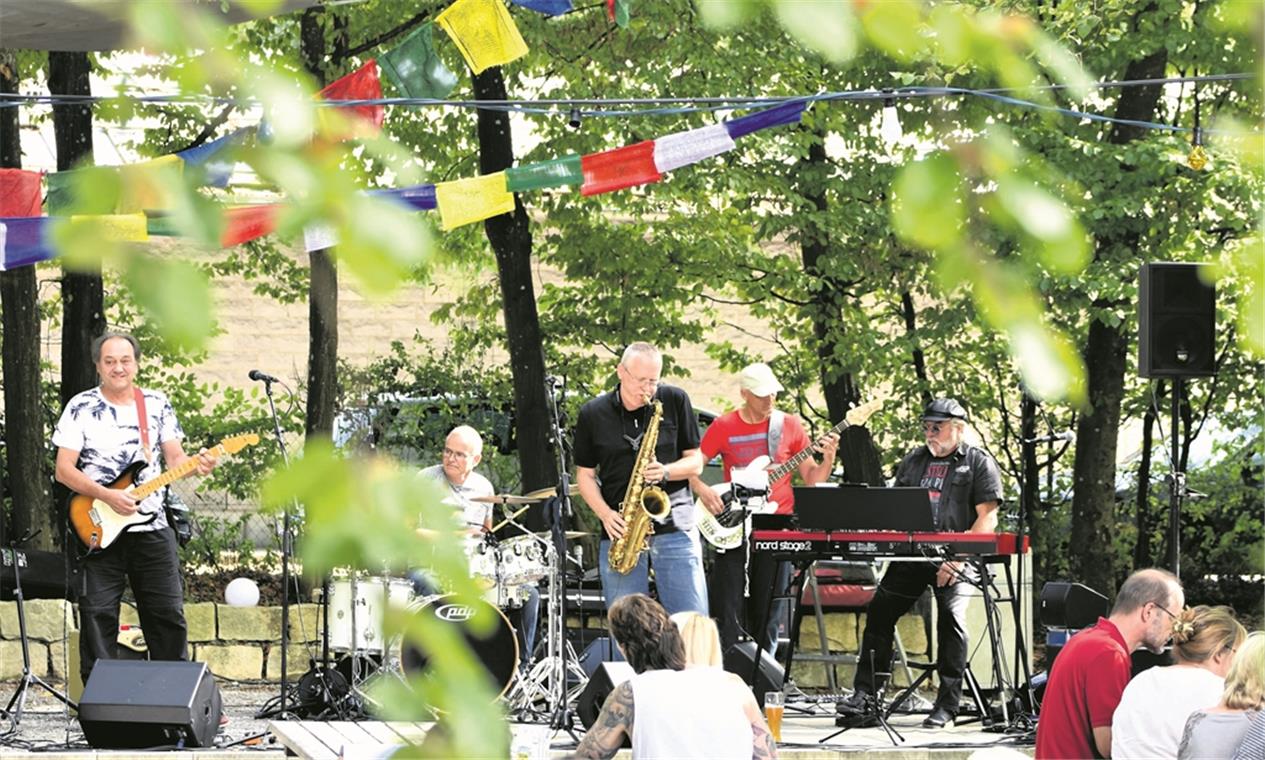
(506,498)
(545,493)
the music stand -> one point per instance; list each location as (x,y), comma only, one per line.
(859,507)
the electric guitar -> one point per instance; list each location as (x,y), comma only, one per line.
(727,529)
(98,525)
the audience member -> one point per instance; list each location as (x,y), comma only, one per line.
(1154,707)
(1218,731)
(668,710)
(1091,672)
(1253,745)
(702,640)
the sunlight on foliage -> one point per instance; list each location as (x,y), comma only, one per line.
(361,514)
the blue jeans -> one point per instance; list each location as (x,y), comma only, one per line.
(678,573)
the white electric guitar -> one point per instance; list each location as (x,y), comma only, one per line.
(727,529)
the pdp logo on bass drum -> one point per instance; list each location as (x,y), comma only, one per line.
(454,613)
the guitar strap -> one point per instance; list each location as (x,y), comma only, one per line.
(142,421)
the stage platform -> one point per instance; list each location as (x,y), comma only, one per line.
(802,737)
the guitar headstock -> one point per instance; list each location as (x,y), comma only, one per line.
(859,415)
(239,442)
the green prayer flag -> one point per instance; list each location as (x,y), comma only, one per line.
(621,13)
(537,176)
(415,69)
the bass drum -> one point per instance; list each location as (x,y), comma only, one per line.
(498,651)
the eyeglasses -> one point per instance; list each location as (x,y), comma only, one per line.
(1166,612)
(463,456)
(932,427)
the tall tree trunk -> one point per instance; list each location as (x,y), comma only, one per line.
(322,356)
(1029,479)
(82,295)
(1094,474)
(1142,556)
(26,465)
(510,238)
(920,361)
(857,451)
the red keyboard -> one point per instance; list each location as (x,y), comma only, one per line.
(879,543)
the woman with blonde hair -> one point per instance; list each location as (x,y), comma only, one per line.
(1152,712)
(1217,731)
(701,637)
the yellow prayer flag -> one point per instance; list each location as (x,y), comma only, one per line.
(484,32)
(142,187)
(130,228)
(471,200)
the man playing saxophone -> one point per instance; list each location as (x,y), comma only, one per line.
(608,438)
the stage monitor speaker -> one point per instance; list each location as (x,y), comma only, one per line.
(740,659)
(136,704)
(1071,605)
(600,650)
(1176,321)
(605,678)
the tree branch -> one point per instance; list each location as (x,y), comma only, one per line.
(384,37)
(210,128)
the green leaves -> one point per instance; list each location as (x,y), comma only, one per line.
(175,295)
(927,200)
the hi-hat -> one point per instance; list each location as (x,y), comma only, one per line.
(507,498)
(545,493)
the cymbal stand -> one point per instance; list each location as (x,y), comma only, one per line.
(17,703)
(561,653)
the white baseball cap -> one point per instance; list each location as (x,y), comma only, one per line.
(759,380)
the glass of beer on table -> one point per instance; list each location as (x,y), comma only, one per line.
(774,704)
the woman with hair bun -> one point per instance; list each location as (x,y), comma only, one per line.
(1148,722)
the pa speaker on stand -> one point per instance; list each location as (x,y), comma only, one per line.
(1176,321)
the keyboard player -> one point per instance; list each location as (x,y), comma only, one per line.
(965,488)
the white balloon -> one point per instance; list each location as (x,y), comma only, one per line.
(241,592)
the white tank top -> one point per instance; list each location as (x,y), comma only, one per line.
(696,712)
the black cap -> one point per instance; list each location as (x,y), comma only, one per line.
(944,409)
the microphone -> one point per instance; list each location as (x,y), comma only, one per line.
(1066,435)
(257,375)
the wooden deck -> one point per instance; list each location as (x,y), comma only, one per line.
(802,740)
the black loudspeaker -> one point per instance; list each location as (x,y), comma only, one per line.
(133,704)
(740,659)
(600,650)
(1176,321)
(1071,605)
(605,678)
(45,575)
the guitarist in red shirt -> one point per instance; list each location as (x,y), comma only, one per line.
(102,433)
(740,437)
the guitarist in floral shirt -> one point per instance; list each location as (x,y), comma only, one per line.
(98,438)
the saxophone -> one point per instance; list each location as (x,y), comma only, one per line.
(641,503)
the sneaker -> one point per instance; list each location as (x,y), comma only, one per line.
(855,703)
(939,718)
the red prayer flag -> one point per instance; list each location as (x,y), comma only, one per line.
(20,193)
(361,84)
(245,223)
(617,169)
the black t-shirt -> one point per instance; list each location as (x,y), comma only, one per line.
(967,477)
(607,437)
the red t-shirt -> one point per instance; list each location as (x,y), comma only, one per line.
(739,442)
(1085,685)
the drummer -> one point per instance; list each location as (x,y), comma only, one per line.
(463,450)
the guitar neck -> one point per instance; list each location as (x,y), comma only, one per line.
(779,472)
(170,476)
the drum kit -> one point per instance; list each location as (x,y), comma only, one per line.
(509,570)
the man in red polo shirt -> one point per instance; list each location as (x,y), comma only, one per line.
(1090,674)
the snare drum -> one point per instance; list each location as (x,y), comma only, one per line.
(483,561)
(356,606)
(498,650)
(522,560)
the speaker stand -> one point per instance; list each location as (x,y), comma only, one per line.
(17,703)
(1177,482)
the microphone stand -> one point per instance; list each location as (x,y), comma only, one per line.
(282,712)
(563,718)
